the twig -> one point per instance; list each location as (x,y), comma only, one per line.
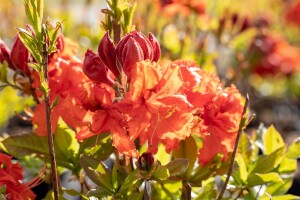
(186,191)
(48,118)
(242,121)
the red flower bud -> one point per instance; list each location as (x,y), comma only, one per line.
(156,47)
(4,54)
(19,56)
(135,47)
(146,161)
(107,54)
(95,69)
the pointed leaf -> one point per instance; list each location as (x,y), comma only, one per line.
(278,188)
(97,172)
(99,146)
(272,140)
(246,147)
(266,163)
(293,151)
(132,180)
(260,179)
(188,150)
(177,167)
(240,173)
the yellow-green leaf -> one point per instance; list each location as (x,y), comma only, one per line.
(272,140)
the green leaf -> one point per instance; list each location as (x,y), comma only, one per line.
(52,33)
(119,174)
(266,163)
(132,181)
(30,43)
(99,146)
(98,193)
(34,13)
(177,167)
(204,172)
(74,193)
(208,191)
(245,148)
(260,179)
(287,166)
(240,172)
(188,150)
(278,188)
(293,151)
(3,72)
(2,189)
(35,66)
(272,140)
(97,172)
(282,197)
(162,173)
(66,147)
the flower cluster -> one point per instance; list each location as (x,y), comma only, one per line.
(142,102)
(11,179)
(273,55)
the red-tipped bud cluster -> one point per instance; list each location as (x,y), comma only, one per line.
(135,47)
(146,161)
(94,68)
(132,48)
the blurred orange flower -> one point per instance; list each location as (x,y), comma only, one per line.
(11,177)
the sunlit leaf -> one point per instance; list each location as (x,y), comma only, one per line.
(278,188)
(240,173)
(260,179)
(266,163)
(246,148)
(97,172)
(99,146)
(272,140)
(177,167)
(293,150)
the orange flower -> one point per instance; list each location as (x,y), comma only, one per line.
(184,7)
(292,14)
(154,97)
(275,56)
(66,79)
(217,110)
(11,177)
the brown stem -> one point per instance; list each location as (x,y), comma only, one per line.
(242,121)
(117,32)
(55,180)
(186,191)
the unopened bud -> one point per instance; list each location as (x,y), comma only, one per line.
(135,47)
(95,69)
(19,56)
(107,54)
(4,53)
(146,161)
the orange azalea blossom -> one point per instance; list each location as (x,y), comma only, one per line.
(292,14)
(152,111)
(217,111)
(66,79)
(183,7)
(11,177)
(275,56)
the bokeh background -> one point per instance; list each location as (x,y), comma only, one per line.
(252,44)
